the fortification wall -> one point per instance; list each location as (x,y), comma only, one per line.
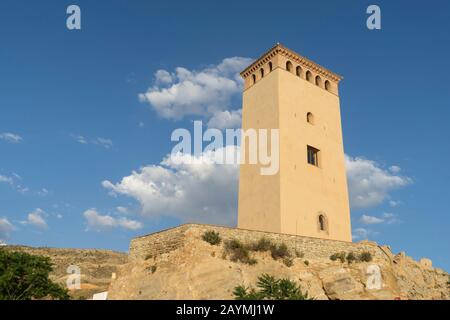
(168,240)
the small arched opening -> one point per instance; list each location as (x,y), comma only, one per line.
(310,118)
(289,66)
(254,78)
(270,66)
(308,75)
(298,71)
(322,221)
(262,72)
(327,85)
(318,81)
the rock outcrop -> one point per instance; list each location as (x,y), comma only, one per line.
(178,264)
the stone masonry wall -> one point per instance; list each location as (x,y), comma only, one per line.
(168,240)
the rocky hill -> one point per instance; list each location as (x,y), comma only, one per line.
(96,266)
(179,264)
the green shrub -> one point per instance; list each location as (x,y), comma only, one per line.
(263,244)
(25,277)
(338,256)
(212,237)
(351,258)
(299,254)
(279,251)
(288,262)
(365,256)
(306,262)
(239,252)
(270,288)
(149,256)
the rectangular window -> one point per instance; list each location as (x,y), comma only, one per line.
(313,156)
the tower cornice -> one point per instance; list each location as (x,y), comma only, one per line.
(279,49)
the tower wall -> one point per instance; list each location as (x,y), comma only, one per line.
(291,201)
(259,195)
(307,191)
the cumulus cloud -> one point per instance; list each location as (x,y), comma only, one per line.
(37,219)
(361,233)
(5,229)
(366,219)
(369,184)
(226,119)
(10,137)
(390,218)
(198,191)
(98,222)
(395,169)
(190,92)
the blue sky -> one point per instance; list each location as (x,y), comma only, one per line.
(75,117)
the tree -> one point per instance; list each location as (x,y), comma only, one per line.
(271,289)
(24,277)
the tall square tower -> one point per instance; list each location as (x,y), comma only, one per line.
(308,196)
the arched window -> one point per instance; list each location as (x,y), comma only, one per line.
(270,66)
(298,71)
(308,75)
(327,85)
(254,78)
(289,66)
(310,118)
(322,223)
(262,72)
(318,81)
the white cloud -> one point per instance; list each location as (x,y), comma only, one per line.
(363,234)
(189,92)
(5,229)
(37,219)
(106,143)
(394,203)
(365,219)
(80,139)
(6,179)
(10,137)
(395,169)
(122,210)
(390,218)
(369,185)
(200,191)
(163,77)
(226,119)
(203,191)
(14,182)
(98,222)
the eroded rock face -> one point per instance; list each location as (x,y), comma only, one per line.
(193,269)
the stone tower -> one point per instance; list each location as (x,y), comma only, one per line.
(308,196)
